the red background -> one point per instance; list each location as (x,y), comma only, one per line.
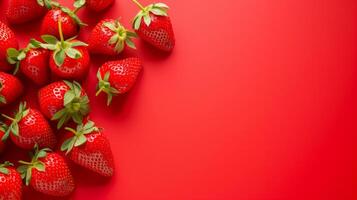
(256,102)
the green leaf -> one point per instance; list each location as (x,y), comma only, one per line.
(78,43)
(40,2)
(131,34)
(59,57)
(28,175)
(80,140)
(59,114)
(49,39)
(65,146)
(147,20)
(119,47)
(15,129)
(73,53)
(40,167)
(35,43)
(41,154)
(79,3)
(62,121)
(21,56)
(111,26)
(161,5)
(4,170)
(13,53)
(68,97)
(158,11)
(2,99)
(51,47)
(137,22)
(130,43)
(113,39)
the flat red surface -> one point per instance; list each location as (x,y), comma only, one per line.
(258,101)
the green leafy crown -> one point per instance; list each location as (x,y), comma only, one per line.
(159,9)
(14,126)
(121,37)
(79,136)
(105,86)
(26,168)
(76,105)
(4,167)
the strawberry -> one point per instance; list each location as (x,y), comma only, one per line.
(10,88)
(109,37)
(10,182)
(69,59)
(29,127)
(117,77)
(71,22)
(21,11)
(63,101)
(47,173)
(98,5)
(87,146)
(32,61)
(153,25)
(7,40)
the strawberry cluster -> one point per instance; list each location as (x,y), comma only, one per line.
(58,61)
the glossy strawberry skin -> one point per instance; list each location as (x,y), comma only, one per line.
(51,97)
(35,66)
(21,11)
(7,40)
(123,73)
(95,154)
(50,24)
(10,185)
(159,33)
(56,180)
(72,69)
(34,128)
(99,5)
(98,40)
(11,88)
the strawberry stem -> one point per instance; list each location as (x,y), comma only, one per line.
(9,118)
(99,91)
(60,30)
(138,4)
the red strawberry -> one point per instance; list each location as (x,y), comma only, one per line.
(10,182)
(21,11)
(97,5)
(29,127)
(87,146)
(69,58)
(47,173)
(10,88)
(153,25)
(63,101)
(70,22)
(32,61)
(117,77)
(7,40)
(109,37)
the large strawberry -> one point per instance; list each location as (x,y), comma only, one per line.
(21,11)
(47,173)
(7,40)
(10,182)
(87,146)
(32,61)
(29,127)
(10,88)
(117,77)
(63,101)
(153,25)
(95,5)
(69,59)
(109,37)
(69,19)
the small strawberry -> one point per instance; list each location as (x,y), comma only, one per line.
(117,77)
(153,25)
(29,127)
(95,5)
(63,101)
(10,88)
(47,173)
(21,11)
(69,19)
(87,146)
(10,182)
(7,40)
(109,37)
(32,61)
